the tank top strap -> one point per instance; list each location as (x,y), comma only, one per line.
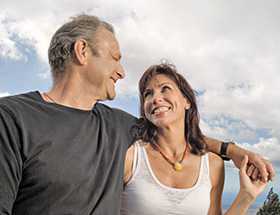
(137,158)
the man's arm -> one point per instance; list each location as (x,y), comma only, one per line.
(259,164)
(10,163)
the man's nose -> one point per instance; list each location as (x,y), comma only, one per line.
(120,72)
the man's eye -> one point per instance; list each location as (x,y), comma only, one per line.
(115,58)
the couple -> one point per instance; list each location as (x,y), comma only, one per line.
(63,152)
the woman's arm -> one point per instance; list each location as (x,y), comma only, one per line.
(249,191)
(128,163)
(217,176)
(237,154)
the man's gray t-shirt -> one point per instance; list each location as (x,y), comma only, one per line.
(60,160)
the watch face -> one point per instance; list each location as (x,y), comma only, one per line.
(224,157)
(229,141)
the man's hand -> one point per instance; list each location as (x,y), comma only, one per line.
(253,187)
(258,166)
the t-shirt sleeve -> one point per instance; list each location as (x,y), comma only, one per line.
(10,161)
(128,123)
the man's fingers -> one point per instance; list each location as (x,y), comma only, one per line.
(270,170)
(259,163)
(255,174)
(250,169)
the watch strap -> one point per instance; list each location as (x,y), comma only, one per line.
(223,151)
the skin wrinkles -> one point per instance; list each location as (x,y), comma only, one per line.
(105,69)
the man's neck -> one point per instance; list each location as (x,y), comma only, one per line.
(71,94)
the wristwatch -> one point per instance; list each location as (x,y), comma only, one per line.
(224,147)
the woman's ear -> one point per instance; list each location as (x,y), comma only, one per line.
(82,51)
(187,105)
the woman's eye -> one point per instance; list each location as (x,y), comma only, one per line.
(147,94)
(165,88)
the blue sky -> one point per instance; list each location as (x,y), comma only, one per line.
(229,52)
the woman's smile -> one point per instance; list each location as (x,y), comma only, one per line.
(160,110)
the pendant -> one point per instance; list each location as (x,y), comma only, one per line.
(177,166)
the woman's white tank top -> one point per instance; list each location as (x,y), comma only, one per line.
(144,194)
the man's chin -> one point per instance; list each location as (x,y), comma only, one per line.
(111,97)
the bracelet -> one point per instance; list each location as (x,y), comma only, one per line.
(223,150)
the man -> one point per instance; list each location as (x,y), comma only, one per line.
(62,152)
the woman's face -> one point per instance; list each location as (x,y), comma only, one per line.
(164,104)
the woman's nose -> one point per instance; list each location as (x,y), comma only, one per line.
(157,98)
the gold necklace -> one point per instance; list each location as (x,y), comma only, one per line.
(49,97)
(178,165)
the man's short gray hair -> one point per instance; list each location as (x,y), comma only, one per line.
(62,43)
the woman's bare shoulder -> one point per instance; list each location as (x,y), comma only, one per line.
(216,165)
(128,163)
(215,161)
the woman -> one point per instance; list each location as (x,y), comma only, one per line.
(169,171)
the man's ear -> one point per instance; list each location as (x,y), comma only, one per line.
(82,51)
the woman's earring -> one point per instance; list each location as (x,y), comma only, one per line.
(188,107)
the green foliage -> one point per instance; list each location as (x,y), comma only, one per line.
(271,205)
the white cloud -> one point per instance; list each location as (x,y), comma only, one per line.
(44,75)
(8,48)
(229,51)
(223,128)
(267,148)
(4,94)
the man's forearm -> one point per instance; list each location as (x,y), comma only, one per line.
(233,152)
(237,154)
(213,145)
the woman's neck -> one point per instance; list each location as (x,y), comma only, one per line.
(171,141)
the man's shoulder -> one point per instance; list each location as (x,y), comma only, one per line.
(119,117)
(19,101)
(116,111)
(19,97)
